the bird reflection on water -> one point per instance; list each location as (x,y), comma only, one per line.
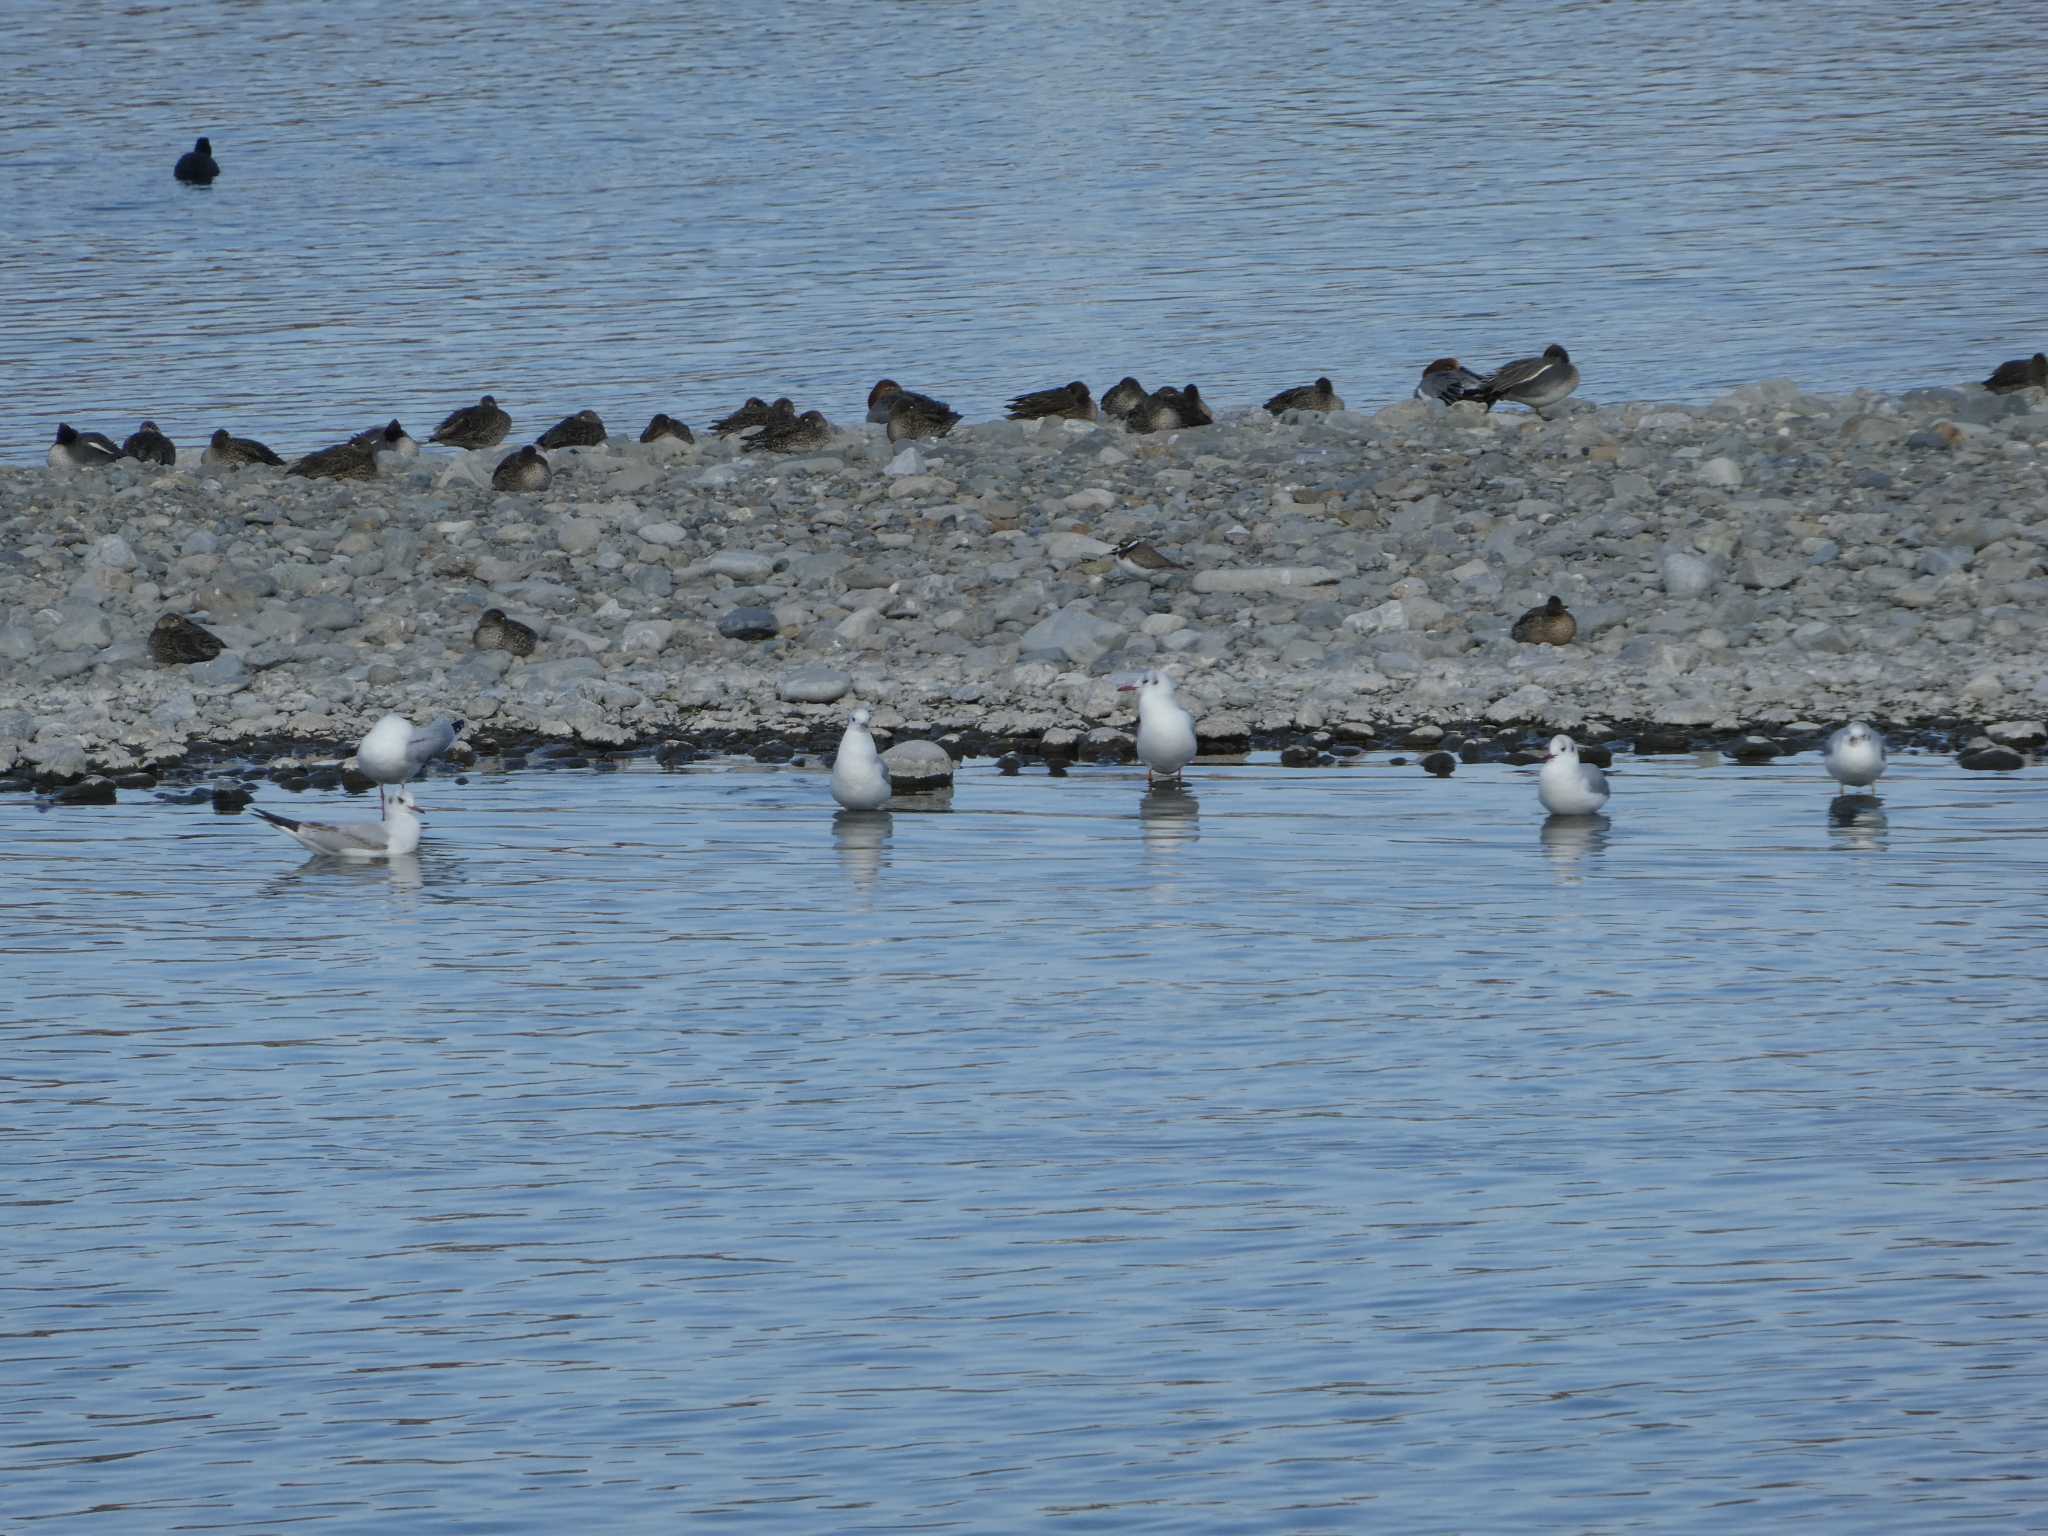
(1568,840)
(861,839)
(1169,818)
(1857,824)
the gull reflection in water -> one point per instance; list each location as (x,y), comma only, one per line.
(401,873)
(860,837)
(1169,818)
(1569,839)
(1856,824)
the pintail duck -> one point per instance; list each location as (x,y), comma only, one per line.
(355,459)
(1855,756)
(663,427)
(810,430)
(149,445)
(482,425)
(526,470)
(1319,396)
(1139,558)
(1070,402)
(178,642)
(754,415)
(1124,397)
(1547,624)
(1168,409)
(883,397)
(495,632)
(81,450)
(1537,382)
(583,430)
(2021,373)
(225,448)
(1566,786)
(197,164)
(1447,381)
(915,416)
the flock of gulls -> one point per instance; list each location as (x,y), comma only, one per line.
(396,752)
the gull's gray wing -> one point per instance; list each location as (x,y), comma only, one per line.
(428,742)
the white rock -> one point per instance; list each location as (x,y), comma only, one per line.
(646,637)
(112,553)
(2019,733)
(1094,499)
(739,564)
(716,477)
(1390,615)
(1263,578)
(664,534)
(1687,575)
(1157,624)
(1720,471)
(1067,548)
(859,624)
(908,462)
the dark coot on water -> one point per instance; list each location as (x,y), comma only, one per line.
(197,164)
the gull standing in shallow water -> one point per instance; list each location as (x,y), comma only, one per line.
(1166,732)
(396,835)
(1855,756)
(396,750)
(860,781)
(1566,786)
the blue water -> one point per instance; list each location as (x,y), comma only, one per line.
(575,204)
(1321,1151)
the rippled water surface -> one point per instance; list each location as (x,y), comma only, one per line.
(1318,1151)
(667,208)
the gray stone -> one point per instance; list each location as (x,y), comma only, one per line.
(329,613)
(814,685)
(739,564)
(1072,634)
(916,765)
(749,624)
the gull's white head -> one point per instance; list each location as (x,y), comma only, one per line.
(402,799)
(1856,733)
(861,717)
(1154,682)
(1563,747)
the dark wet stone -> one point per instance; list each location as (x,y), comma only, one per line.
(748,624)
(324,778)
(92,791)
(1008,764)
(1345,751)
(1663,744)
(229,799)
(1423,736)
(1299,756)
(1476,752)
(1056,770)
(291,779)
(1522,757)
(1753,749)
(573,760)
(1993,759)
(356,783)
(193,796)
(144,780)
(1599,757)
(1442,764)
(773,752)
(1397,762)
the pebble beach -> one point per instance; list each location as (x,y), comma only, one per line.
(1774,560)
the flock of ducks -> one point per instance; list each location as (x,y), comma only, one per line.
(396,751)
(1541,383)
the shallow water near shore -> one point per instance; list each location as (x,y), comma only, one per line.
(585,205)
(1310,1150)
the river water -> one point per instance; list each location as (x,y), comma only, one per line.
(1323,1150)
(576,204)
